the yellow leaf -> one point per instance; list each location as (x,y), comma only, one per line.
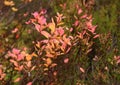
(14,9)
(52,26)
(45,65)
(45,69)
(9,3)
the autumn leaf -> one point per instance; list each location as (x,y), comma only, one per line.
(117,59)
(60,31)
(2,50)
(9,3)
(14,62)
(54,73)
(38,27)
(42,20)
(59,17)
(33,54)
(29,83)
(33,68)
(17,80)
(53,65)
(66,60)
(20,57)
(52,26)
(45,69)
(15,51)
(14,9)
(96,36)
(28,57)
(66,40)
(2,75)
(82,70)
(61,23)
(48,61)
(68,50)
(46,34)
(48,54)
(28,64)
(79,11)
(84,16)
(15,30)
(0,71)
(76,23)
(63,47)
(19,68)
(35,14)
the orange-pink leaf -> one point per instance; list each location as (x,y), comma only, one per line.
(48,61)
(29,83)
(35,14)
(17,80)
(96,36)
(38,27)
(28,57)
(46,34)
(60,31)
(82,70)
(15,30)
(42,20)
(66,60)
(20,57)
(14,62)
(80,11)
(15,51)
